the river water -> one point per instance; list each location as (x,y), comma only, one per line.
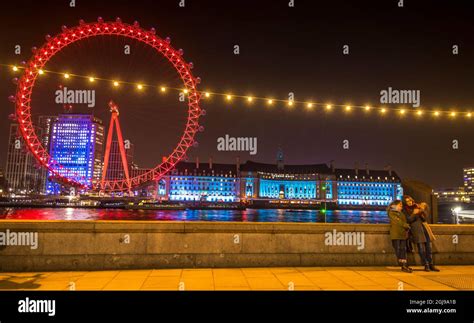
(249,215)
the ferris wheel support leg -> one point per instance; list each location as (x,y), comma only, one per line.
(107,151)
(123,156)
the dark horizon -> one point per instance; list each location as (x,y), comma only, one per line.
(282,50)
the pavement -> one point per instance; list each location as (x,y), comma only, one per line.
(291,278)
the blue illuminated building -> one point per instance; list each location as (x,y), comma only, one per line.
(280,185)
(204,182)
(290,189)
(367,187)
(76,149)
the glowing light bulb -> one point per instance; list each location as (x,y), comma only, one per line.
(383,110)
(228,97)
(91,79)
(328,107)
(419,112)
(348,108)
(185,91)
(139,86)
(40,72)
(367,108)
(469,114)
(66,76)
(207,94)
(163,89)
(453,114)
(14,68)
(436,113)
(402,111)
(249,99)
(270,101)
(290,103)
(116,83)
(309,105)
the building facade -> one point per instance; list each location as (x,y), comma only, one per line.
(45,123)
(468,179)
(3,184)
(22,173)
(449,195)
(280,183)
(76,149)
(367,187)
(200,182)
(462,194)
(277,184)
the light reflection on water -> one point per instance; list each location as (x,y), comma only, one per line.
(249,215)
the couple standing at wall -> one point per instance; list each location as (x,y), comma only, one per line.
(409,224)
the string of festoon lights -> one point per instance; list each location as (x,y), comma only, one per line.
(229,97)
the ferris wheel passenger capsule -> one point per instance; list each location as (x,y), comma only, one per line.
(168,40)
(100,19)
(198,80)
(136,24)
(153,30)
(118,20)
(11,98)
(180,52)
(81,22)
(63,27)
(47,37)
(15,80)
(191,65)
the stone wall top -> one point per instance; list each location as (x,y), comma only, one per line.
(195,226)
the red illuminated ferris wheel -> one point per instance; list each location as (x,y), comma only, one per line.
(53,45)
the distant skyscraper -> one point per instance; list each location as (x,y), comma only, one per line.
(3,184)
(76,147)
(468,180)
(115,170)
(44,123)
(22,172)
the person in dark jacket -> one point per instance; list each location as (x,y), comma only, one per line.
(420,236)
(408,209)
(399,233)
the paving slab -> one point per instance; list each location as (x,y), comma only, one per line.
(266,278)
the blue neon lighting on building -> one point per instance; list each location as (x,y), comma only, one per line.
(203,188)
(72,145)
(287,189)
(399,192)
(367,193)
(249,187)
(328,189)
(162,187)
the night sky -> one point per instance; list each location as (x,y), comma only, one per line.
(282,50)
